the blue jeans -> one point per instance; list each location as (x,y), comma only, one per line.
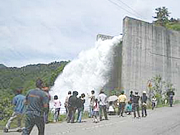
(90,111)
(170,101)
(56,114)
(80,113)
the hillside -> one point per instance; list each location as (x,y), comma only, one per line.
(2,66)
(12,77)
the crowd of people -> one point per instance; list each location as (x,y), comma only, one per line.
(35,107)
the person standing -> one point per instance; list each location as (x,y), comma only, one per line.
(136,104)
(170,95)
(129,108)
(72,106)
(46,113)
(57,106)
(66,103)
(92,99)
(18,102)
(81,101)
(102,99)
(37,102)
(111,108)
(122,103)
(131,99)
(95,111)
(131,96)
(153,100)
(144,104)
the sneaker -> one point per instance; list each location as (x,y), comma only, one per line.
(95,120)
(5,130)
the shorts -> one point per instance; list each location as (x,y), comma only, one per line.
(95,113)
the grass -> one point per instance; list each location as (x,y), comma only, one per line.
(13,124)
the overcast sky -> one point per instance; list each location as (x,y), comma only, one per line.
(43,31)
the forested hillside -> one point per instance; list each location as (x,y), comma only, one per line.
(12,77)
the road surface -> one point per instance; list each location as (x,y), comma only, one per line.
(161,121)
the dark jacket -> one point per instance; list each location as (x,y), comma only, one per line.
(131,97)
(170,93)
(72,102)
(136,99)
(144,98)
(80,103)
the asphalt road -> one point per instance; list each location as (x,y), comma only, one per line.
(161,121)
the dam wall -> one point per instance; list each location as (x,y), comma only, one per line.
(147,51)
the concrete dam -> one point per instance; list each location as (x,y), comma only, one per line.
(146,51)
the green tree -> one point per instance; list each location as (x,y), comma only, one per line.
(159,88)
(162,16)
(6,107)
(173,25)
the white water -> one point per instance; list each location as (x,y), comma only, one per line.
(88,72)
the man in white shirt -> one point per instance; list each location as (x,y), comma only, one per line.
(92,99)
(102,98)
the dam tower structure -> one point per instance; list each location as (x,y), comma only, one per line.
(146,51)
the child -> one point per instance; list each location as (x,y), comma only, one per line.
(153,102)
(111,109)
(95,110)
(57,105)
(129,108)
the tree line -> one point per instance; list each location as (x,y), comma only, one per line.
(162,18)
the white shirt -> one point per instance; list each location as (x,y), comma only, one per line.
(102,99)
(111,109)
(57,104)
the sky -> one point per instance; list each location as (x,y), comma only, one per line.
(43,31)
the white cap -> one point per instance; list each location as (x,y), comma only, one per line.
(144,92)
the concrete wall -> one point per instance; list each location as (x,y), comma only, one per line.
(148,51)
